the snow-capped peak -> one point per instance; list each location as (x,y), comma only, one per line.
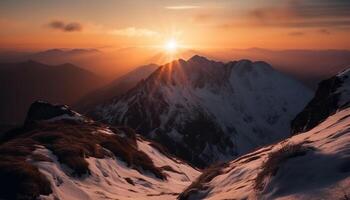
(206,111)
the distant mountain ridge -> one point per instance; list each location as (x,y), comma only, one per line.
(114,89)
(24,82)
(206,111)
(19,56)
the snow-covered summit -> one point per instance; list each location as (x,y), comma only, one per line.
(205,111)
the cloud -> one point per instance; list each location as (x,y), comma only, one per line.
(296,33)
(134,32)
(324,31)
(320,8)
(182,7)
(202,17)
(299,13)
(65,27)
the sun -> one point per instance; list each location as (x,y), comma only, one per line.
(171,45)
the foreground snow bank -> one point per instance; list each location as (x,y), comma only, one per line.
(111,178)
(318,169)
(59,154)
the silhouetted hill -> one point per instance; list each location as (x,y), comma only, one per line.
(114,89)
(24,82)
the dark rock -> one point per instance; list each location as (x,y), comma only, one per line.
(324,104)
(40,110)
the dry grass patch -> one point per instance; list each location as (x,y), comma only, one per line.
(200,183)
(275,160)
(18,178)
(71,142)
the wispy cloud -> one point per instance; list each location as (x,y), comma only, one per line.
(296,33)
(182,7)
(202,17)
(134,32)
(296,13)
(324,31)
(66,27)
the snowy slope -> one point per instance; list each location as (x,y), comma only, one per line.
(111,179)
(79,158)
(311,165)
(205,111)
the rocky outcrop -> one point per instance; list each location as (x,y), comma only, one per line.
(41,110)
(331,95)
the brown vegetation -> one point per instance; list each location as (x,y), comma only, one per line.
(274,161)
(200,183)
(18,178)
(71,142)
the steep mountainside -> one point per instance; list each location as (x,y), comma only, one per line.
(310,166)
(23,83)
(332,94)
(205,111)
(114,89)
(60,154)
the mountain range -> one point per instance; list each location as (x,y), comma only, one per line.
(191,129)
(24,82)
(307,65)
(206,111)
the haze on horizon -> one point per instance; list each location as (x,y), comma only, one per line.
(128,34)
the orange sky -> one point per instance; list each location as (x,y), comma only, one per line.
(274,24)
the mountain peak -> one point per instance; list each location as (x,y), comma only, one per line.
(198,58)
(193,103)
(53,51)
(31,64)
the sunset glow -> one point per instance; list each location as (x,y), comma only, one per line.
(130,33)
(139,99)
(226,24)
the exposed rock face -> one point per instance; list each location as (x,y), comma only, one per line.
(41,110)
(206,111)
(332,95)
